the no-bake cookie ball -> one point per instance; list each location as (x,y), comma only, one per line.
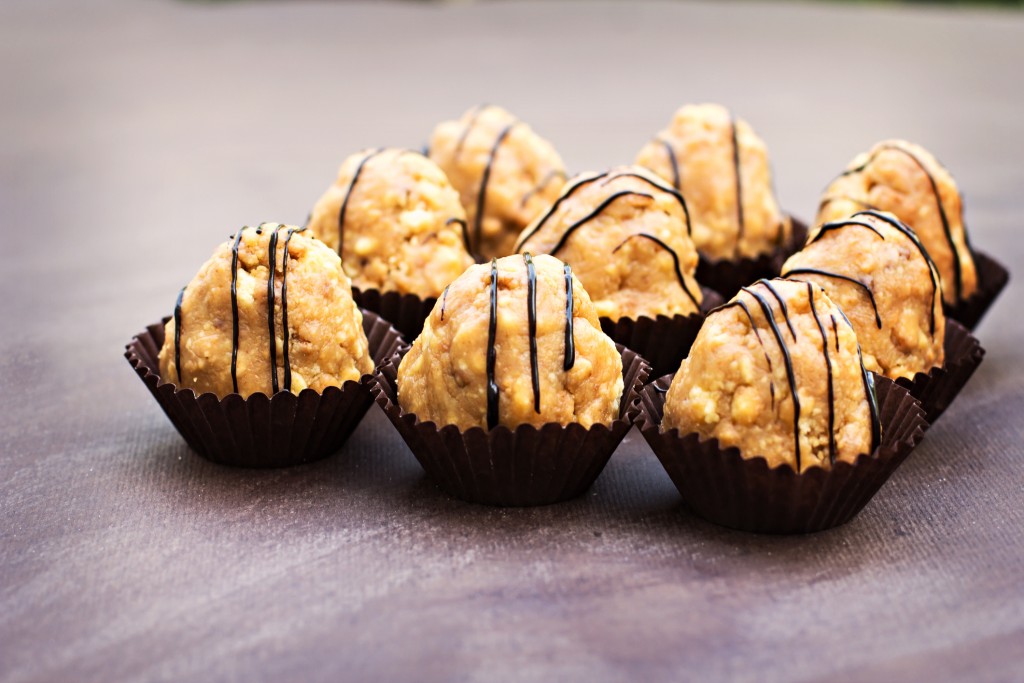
(505,173)
(906,180)
(401,223)
(514,341)
(270,311)
(777,372)
(721,166)
(876,269)
(625,233)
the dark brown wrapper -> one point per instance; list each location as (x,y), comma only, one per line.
(407,312)
(937,388)
(261,431)
(663,341)
(522,467)
(992,278)
(723,487)
(727,276)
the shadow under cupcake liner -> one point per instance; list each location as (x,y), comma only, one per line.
(519,467)
(727,276)
(937,388)
(260,431)
(663,341)
(407,312)
(723,487)
(992,278)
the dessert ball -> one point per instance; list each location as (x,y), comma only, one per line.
(401,224)
(505,174)
(876,270)
(777,372)
(514,341)
(907,181)
(625,233)
(721,166)
(270,311)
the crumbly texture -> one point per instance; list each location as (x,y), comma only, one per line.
(624,232)
(724,388)
(443,378)
(696,154)
(908,334)
(897,176)
(326,342)
(498,163)
(404,226)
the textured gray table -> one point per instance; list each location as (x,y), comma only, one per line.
(137,135)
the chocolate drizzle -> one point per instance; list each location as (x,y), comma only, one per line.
(234,309)
(828,369)
(551,175)
(570,343)
(656,183)
(284,309)
(531,317)
(492,332)
(271,273)
(481,197)
(348,194)
(177,333)
(957,270)
(592,215)
(673,162)
(739,181)
(465,234)
(444,301)
(825,273)
(675,260)
(566,193)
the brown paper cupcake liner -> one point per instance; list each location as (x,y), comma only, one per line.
(521,467)
(663,341)
(727,276)
(407,312)
(261,431)
(721,486)
(937,388)
(992,278)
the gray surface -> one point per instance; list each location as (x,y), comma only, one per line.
(137,135)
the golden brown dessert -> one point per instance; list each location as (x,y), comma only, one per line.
(721,166)
(626,235)
(777,372)
(514,341)
(505,173)
(907,181)
(876,270)
(271,310)
(403,228)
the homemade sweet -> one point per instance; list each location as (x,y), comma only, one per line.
(907,181)
(401,224)
(876,270)
(270,311)
(505,173)
(514,341)
(777,372)
(625,233)
(721,166)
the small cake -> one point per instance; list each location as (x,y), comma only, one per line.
(721,166)
(777,372)
(876,270)
(270,311)
(625,233)
(514,341)
(505,173)
(907,181)
(401,224)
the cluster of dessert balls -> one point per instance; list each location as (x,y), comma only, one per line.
(524,261)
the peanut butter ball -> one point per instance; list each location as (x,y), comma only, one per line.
(876,269)
(505,173)
(777,372)
(906,180)
(270,311)
(510,342)
(721,166)
(401,224)
(625,233)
